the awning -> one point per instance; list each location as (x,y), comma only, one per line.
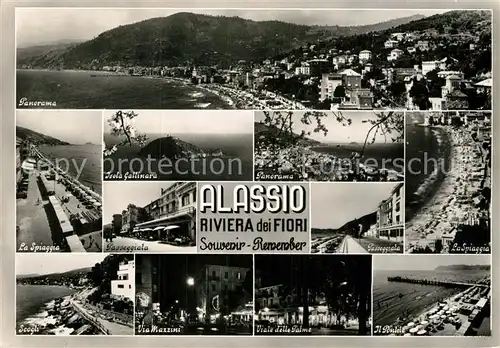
(171,227)
(158,228)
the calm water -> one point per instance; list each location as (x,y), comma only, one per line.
(79,90)
(88,155)
(388,306)
(388,155)
(428,149)
(238,146)
(31,300)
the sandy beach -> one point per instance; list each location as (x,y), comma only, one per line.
(452,204)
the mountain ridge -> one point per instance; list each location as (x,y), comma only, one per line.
(185,36)
(37,138)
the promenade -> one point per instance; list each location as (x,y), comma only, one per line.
(351,246)
(122,244)
(106,326)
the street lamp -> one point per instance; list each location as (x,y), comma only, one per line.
(190,281)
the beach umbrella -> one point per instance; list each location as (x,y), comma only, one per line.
(413,330)
(424,323)
(407,334)
(412,324)
(97,204)
(421,332)
(147,229)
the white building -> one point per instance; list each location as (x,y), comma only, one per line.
(395,54)
(125,284)
(365,55)
(391,44)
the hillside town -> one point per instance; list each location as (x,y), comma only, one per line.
(442,68)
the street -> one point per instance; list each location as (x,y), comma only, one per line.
(351,246)
(31,217)
(114,328)
(132,244)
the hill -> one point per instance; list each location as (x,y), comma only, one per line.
(262,130)
(37,138)
(45,51)
(463,268)
(169,147)
(192,38)
(56,276)
(349,227)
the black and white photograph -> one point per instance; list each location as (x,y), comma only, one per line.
(448,182)
(150,216)
(194,294)
(354,218)
(290,59)
(432,295)
(329,146)
(58,181)
(313,295)
(75,294)
(178,145)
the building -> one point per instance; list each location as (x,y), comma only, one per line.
(176,208)
(351,78)
(395,54)
(329,82)
(129,218)
(484,86)
(116,223)
(398,36)
(365,55)
(391,44)
(358,98)
(303,69)
(124,286)
(423,45)
(390,216)
(215,286)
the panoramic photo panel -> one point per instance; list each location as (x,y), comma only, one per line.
(75,294)
(253,59)
(58,181)
(329,145)
(354,218)
(432,295)
(313,295)
(448,182)
(149,216)
(194,294)
(177,145)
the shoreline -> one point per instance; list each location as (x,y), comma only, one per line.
(443,206)
(233,97)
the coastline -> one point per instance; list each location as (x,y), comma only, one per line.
(433,210)
(234,98)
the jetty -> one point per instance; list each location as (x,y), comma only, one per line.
(448,284)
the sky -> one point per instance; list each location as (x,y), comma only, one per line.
(332,205)
(46,263)
(426,262)
(49,25)
(190,122)
(337,132)
(118,195)
(74,127)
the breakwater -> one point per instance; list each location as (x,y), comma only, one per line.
(434,282)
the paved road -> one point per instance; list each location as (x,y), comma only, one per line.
(351,246)
(124,242)
(114,328)
(31,217)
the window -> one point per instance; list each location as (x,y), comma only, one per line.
(130,286)
(213,273)
(265,302)
(120,286)
(185,200)
(226,275)
(270,302)
(238,275)
(398,206)
(214,287)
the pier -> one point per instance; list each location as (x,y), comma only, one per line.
(447,284)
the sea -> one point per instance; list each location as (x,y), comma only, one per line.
(388,306)
(71,89)
(33,300)
(388,155)
(89,155)
(428,152)
(233,146)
